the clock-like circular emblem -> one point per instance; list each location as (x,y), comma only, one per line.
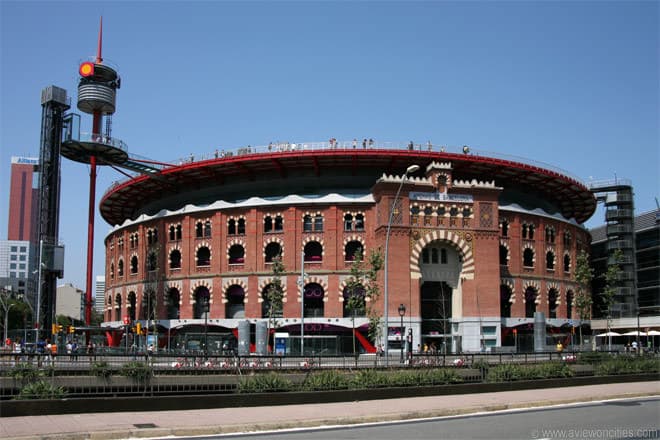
(468,237)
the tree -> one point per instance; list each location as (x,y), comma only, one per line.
(275,293)
(612,277)
(355,299)
(583,276)
(373,293)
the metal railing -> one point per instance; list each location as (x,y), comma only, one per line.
(287,147)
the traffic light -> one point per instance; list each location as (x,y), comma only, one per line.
(59,328)
(515,331)
(72,329)
(138,328)
(54,329)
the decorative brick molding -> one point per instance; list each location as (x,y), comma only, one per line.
(228,282)
(208,283)
(268,241)
(314,238)
(463,246)
(536,286)
(265,281)
(320,280)
(551,285)
(508,282)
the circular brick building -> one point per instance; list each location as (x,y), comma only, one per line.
(477,244)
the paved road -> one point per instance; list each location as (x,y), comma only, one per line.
(104,426)
(618,419)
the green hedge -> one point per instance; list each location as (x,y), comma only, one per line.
(513,372)
(340,380)
(627,365)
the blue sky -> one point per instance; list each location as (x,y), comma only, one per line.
(570,84)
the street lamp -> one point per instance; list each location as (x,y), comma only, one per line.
(206,325)
(402,312)
(410,169)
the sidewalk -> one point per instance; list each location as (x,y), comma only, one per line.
(225,420)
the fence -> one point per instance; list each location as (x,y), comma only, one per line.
(172,374)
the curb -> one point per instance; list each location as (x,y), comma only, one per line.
(311,423)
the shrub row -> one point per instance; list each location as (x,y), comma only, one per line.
(627,365)
(339,380)
(513,372)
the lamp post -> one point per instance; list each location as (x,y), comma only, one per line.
(402,313)
(410,169)
(206,326)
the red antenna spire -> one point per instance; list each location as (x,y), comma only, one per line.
(99,58)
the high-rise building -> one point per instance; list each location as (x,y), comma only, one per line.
(99,292)
(18,252)
(23,199)
(646,230)
(69,301)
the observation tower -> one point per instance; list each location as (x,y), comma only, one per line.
(97,95)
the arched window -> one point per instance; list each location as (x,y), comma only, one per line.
(202,303)
(131,306)
(279,223)
(152,262)
(425,255)
(134,264)
(314,304)
(173,306)
(504,256)
(148,310)
(505,301)
(235,306)
(236,254)
(241,226)
(552,303)
(318,223)
(351,248)
(175,259)
(203,257)
(434,256)
(443,256)
(307,223)
(348,222)
(550,260)
(567,238)
(272,250)
(268,224)
(118,307)
(453,211)
(549,234)
(505,228)
(266,304)
(231,227)
(567,263)
(354,302)
(172,233)
(528,258)
(530,302)
(359,222)
(441,211)
(569,304)
(207,228)
(120,268)
(112,271)
(313,251)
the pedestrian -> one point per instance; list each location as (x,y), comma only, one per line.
(364,143)
(354,143)
(410,145)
